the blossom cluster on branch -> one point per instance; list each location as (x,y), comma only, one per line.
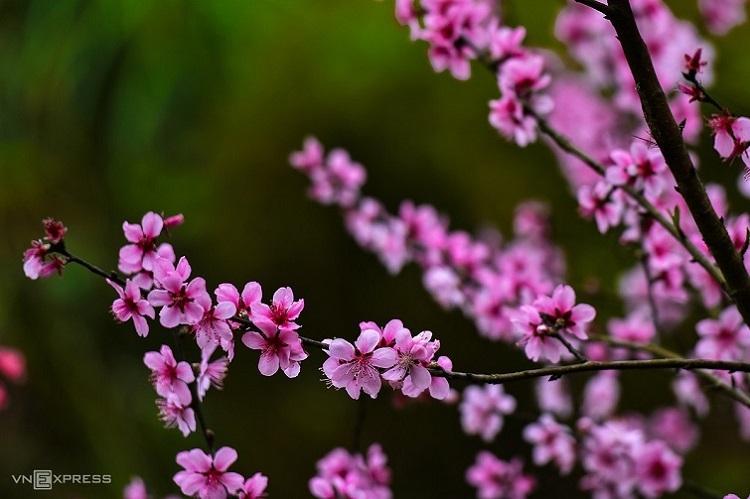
(513,290)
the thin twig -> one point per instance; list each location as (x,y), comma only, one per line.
(569,347)
(594,4)
(594,366)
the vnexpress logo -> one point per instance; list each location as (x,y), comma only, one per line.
(46,479)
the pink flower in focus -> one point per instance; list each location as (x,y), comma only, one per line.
(561,312)
(130,305)
(483,408)
(175,411)
(251,294)
(280,314)
(254,487)
(552,442)
(535,336)
(211,373)
(54,230)
(731,136)
(39,263)
(213,329)
(439,387)
(413,357)
(141,252)
(280,348)
(168,375)
(354,367)
(498,479)
(206,476)
(180,300)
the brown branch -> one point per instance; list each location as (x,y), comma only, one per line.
(596,5)
(564,143)
(594,366)
(711,380)
(668,136)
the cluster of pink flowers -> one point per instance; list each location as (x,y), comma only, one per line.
(459,31)
(206,476)
(40,261)
(390,353)
(342,475)
(548,316)
(498,479)
(12,369)
(619,460)
(486,280)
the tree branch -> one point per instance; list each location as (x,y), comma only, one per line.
(594,4)
(593,366)
(564,143)
(668,136)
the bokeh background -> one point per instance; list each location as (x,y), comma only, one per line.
(112,108)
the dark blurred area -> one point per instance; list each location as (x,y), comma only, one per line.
(110,109)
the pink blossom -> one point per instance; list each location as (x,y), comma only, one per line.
(725,338)
(135,489)
(688,391)
(354,367)
(641,167)
(141,252)
(601,202)
(722,15)
(213,329)
(505,42)
(731,136)
(175,411)
(130,305)
(498,479)
(254,487)
(206,476)
(12,364)
(673,426)
(251,294)
(39,262)
(280,314)
(601,395)
(521,76)
(536,339)
(280,348)
(658,469)
(483,408)
(310,157)
(342,475)
(181,301)
(54,230)
(552,442)
(439,387)
(413,357)
(563,314)
(509,118)
(211,373)
(636,328)
(168,375)
(553,396)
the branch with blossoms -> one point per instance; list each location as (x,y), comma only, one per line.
(514,290)
(389,354)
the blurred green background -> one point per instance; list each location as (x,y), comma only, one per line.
(109,109)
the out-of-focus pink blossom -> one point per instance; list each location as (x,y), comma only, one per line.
(498,479)
(483,409)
